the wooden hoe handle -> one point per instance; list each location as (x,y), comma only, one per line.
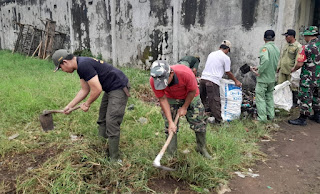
(156,162)
(60,111)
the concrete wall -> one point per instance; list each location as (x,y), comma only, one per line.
(137,32)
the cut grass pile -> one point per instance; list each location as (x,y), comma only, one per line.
(28,86)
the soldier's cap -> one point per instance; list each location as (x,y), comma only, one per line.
(310,31)
(58,56)
(269,34)
(160,71)
(227,43)
(290,32)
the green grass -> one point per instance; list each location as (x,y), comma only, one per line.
(28,86)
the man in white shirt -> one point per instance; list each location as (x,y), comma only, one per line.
(218,63)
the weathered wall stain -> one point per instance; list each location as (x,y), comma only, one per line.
(159,10)
(26,2)
(48,11)
(145,56)
(189,12)
(129,9)
(3,2)
(124,21)
(202,12)
(19,2)
(104,13)
(118,2)
(249,13)
(81,23)
(156,44)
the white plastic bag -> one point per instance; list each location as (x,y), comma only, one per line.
(295,78)
(282,96)
(231,99)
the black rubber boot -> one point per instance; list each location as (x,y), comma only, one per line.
(295,99)
(172,147)
(302,120)
(201,145)
(113,144)
(315,117)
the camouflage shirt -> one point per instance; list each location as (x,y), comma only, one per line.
(310,55)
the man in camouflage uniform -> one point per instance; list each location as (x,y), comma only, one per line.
(178,93)
(192,62)
(309,60)
(288,60)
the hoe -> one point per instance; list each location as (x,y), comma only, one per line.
(156,162)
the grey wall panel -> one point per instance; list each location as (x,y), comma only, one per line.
(136,32)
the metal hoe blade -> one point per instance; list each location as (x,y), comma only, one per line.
(46,121)
(164,168)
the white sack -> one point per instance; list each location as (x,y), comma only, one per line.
(231,99)
(295,78)
(282,96)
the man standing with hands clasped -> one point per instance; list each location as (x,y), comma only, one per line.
(266,77)
(288,60)
(176,88)
(95,76)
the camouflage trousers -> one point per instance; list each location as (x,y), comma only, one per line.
(309,99)
(196,116)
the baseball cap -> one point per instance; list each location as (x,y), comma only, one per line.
(269,34)
(160,71)
(310,31)
(290,32)
(58,56)
(227,43)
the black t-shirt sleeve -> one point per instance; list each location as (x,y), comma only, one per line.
(86,71)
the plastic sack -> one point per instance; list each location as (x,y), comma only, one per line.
(295,78)
(282,96)
(231,100)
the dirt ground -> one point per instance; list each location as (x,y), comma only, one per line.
(170,186)
(292,165)
(13,166)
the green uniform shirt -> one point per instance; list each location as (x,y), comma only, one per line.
(193,62)
(269,58)
(289,57)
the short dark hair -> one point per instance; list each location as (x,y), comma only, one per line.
(223,46)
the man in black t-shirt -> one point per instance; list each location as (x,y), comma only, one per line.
(95,76)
